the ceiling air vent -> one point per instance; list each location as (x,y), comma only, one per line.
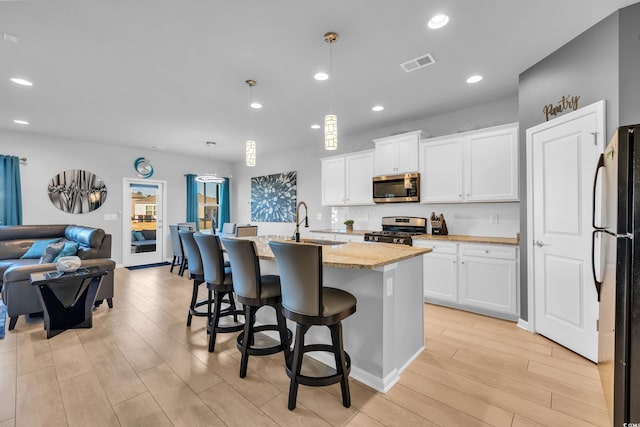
(417,63)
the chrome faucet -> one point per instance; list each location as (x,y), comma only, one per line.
(296,234)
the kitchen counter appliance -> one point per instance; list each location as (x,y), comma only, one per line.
(616,250)
(398,230)
(396,188)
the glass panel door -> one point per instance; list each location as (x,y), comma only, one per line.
(143,234)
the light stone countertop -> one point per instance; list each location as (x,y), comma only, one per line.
(358,255)
(513,241)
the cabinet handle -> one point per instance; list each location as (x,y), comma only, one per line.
(467,194)
(486,252)
(460,195)
(461,262)
(453,261)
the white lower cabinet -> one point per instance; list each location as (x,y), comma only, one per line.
(441,282)
(475,277)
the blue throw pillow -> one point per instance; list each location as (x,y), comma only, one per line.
(138,235)
(50,252)
(38,247)
(70,249)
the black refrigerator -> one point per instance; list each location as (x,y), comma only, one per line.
(616,270)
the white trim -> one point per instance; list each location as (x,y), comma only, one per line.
(382,385)
(161,232)
(599,109)
(523,324)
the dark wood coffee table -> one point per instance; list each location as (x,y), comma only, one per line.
(67,298)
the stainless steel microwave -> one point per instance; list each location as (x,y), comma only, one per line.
(396,188)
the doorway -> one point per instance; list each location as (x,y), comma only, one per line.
(562,155)
(143,226)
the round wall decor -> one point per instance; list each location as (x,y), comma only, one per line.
(77,191)
(143,167)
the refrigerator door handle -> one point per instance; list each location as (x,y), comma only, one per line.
(597,283)
(599,166)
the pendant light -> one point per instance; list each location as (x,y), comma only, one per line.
(250,150)
(330,120)
(210,177)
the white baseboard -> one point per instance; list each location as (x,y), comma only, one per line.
(524,325)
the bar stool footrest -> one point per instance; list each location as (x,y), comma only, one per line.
(264,351)
(194,312)
(231,328)
(325,380)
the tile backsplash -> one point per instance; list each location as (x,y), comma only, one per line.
(476,219)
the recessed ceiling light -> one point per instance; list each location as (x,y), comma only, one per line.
(321,76)
(21,82)
(256,105)
(315,126)
(474,79)
(21,122)
(378,108)
(438,21)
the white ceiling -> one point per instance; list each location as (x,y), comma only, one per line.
(171,73)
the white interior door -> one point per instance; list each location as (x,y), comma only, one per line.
(143,226)
(564,154)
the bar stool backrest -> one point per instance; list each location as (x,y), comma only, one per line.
(176,243)
(300,269)
(212,258)
(192,252)
(245,266)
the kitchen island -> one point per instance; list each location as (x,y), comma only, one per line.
(387,331)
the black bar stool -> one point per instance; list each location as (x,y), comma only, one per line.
(196,273)
(306,302)
(219,280)
(255,291)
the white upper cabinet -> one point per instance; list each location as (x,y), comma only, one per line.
(346,180)
(477,166)
(492,165)
(358,183)
(333,181)
(441,170)
(397,154)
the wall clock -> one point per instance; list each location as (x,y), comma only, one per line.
(143,167)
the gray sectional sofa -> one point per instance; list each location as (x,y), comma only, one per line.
(146,244)
(20,297)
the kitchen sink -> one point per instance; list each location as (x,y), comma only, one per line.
(322,242)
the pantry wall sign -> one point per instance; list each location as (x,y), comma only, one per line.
(564,104)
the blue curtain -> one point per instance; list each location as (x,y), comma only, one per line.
(225,211)
(10,193)
(192,200)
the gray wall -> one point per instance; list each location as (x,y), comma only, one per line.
(630,65)
(306,161)
(601,63)
(49,155)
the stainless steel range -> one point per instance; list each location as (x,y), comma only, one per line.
(398,230)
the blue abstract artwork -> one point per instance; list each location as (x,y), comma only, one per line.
(273,197)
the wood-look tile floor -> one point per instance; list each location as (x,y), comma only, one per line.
(141,366)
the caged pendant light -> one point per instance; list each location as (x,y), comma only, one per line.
(330,120)
(250,145)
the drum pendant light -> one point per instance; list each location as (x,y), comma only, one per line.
(330,120)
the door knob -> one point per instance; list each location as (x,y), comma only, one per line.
(539,243)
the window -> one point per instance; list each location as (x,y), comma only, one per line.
(208,197)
